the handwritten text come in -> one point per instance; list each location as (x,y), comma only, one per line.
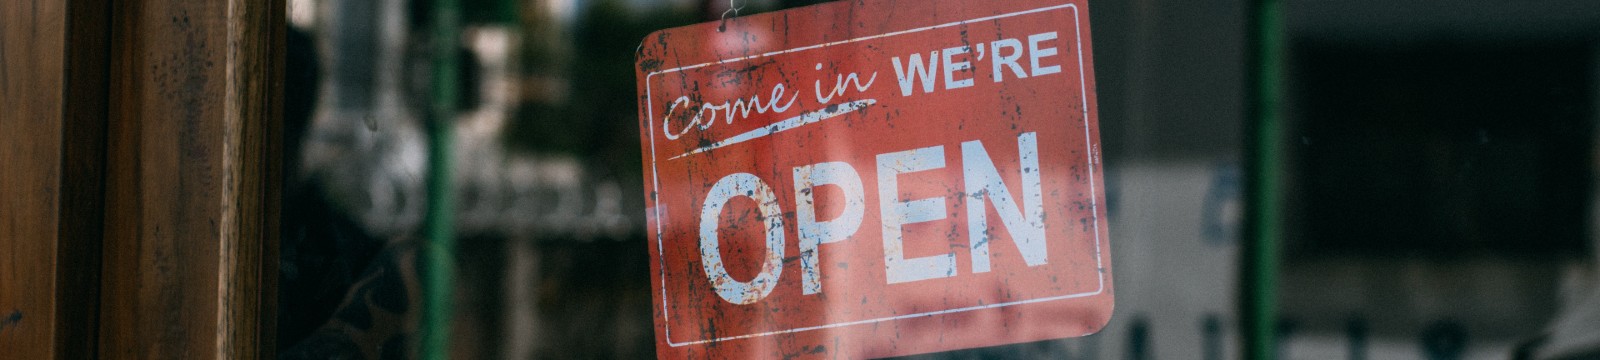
(1017,58)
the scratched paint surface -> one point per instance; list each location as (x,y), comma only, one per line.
(874,178)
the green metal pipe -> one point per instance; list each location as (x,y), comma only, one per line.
(439,251)
(1264,190)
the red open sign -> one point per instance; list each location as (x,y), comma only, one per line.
(874,178)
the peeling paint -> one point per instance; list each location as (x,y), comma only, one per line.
(945,146)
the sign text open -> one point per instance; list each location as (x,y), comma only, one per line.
(865,180)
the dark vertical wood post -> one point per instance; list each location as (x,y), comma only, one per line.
(139,151)
(52,126)
(256,51)
(192,173)
(78,263)
(31,72)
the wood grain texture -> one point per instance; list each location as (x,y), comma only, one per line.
(164,182)
(192,178)
(52,156)
(140,157)
(254,131)
(31,72)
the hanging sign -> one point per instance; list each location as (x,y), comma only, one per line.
(874,178)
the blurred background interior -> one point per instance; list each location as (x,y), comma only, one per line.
(1438,178)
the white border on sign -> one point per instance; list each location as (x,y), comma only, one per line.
(1088,153)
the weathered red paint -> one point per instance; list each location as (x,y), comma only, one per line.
(779,74)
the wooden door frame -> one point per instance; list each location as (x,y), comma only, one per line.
(52,131)
(140,171)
